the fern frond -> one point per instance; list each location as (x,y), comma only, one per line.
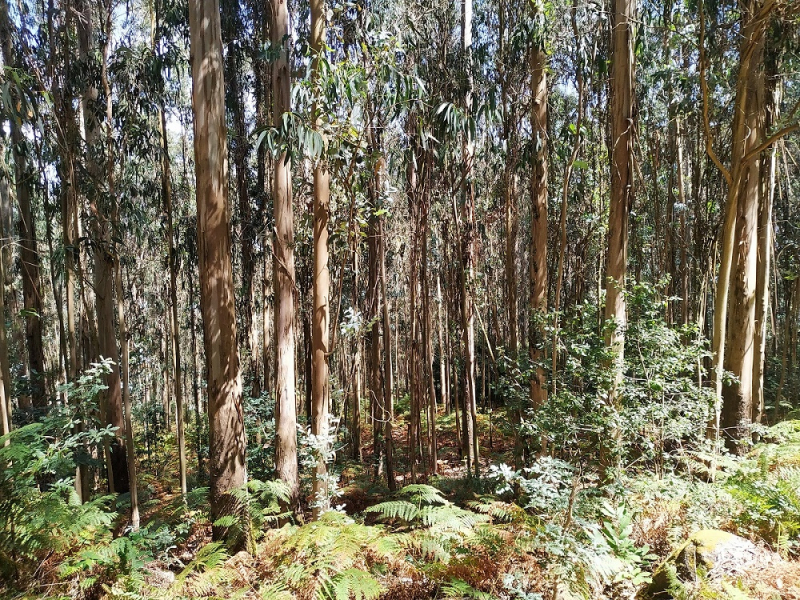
(207,558)
(327,556)
(391,545)
(433,548)
(351,583)
(276,590)
(197,498)
(450,518)
(295,574)
(240,494)
(226,521)
(205,584)
(504,512)
(264,490)
(423,494)
(396,509)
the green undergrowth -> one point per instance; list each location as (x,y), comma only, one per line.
(509,534)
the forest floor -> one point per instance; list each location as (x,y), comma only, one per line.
(464,539)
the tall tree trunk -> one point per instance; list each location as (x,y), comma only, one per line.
(428,343)
(622,136)
(468,251)
(5,384)
(283,268)
(195,352)
(538,260)
(743,140)
(123,327)
(562,249)
(166,198)
(126,398)
(321,284)
(415,371)
(388,378)
(509,193)
(358,453)
(227,443)
(103,261)
(29,256)
(65,117)
(165,399)
(443,380)
(684,270)
(739,352)
(377,401)
(511,264)
(306,350)
(233,30)
(198,411)
(55,284)
(767,191)
(267,350)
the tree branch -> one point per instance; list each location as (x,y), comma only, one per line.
(769,141)
(704,87)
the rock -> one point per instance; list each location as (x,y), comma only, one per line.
(159,577)
(707,554)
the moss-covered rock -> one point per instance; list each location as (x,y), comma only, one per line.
(706,554)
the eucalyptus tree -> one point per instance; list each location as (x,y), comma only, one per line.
(234,32)
(538,252)
(161,56)
(580,57)
(320,325)
(283,275)
(623,128)
(16,106)
(111,185)
(26,226)
(227,443)
(61,68)
(769,176)
(735,297)
(102,206)
(740,246)
(391,94)
(468,252)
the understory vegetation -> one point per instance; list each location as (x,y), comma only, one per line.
(550,528)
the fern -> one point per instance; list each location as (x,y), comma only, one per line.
(434,548)
(34,521)
(277,590)
(422,494)
(351,583)
(450,518)
(226,521)
(203,584)
(770,504)
(424,506)
(328,555)
(207,558)
(438,525)
(396,509)
(269,492)
(503,512)
(119,559)
(390,545)
(458,588)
